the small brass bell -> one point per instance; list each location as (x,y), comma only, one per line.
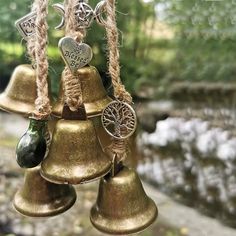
(40,198)
(93,92)
(75,154)
(122,206)
(20,94)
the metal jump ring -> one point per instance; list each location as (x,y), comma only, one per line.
(99,10)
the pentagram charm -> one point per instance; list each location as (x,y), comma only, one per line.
(119,120)
(84,14)
(26,25)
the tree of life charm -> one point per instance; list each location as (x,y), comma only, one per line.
(119,120)
(84,14)
(26,25)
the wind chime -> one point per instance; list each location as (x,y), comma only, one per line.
(74,155)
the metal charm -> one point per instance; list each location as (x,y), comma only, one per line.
(60,9)
(26,25)
(84,14)
(119,120)
(99,10)
(76,55)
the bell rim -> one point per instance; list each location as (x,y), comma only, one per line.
(58,179)
(106,227)
(91,107)
(13,105)
(45,213)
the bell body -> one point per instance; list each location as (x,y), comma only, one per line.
(40,198)
(94,95)
(75,154)
(32,146)
(122,206)
(20,93)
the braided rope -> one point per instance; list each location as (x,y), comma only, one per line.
(118,147)
(113,53)
(31,42)
(42,103)
(72,85)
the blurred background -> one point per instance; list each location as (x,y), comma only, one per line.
(178,61)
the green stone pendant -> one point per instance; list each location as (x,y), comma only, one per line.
(32,146)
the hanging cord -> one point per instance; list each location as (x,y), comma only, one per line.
(31,42)
(72,84)
(113,53)
(42,103)
(118,147)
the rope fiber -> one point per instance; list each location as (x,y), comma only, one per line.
(113,53)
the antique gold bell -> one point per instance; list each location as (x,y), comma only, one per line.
(94,94)
(20,94)
(75,154)
(40,198)
(122,206)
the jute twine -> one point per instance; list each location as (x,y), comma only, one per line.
(119,148)
(72,84)
(37,50)
(31,42)
(113,53)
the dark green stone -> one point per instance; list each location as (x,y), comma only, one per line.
(32,146)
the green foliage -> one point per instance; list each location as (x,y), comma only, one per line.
(204,41)
(131,16)
(202,47)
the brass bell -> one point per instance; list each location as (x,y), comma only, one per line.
(122,206)
(93,92)
(75,154)
(40,198)
(20,93)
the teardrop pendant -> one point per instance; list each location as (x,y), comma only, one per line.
(31,148)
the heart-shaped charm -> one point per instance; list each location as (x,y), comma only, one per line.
(76,55)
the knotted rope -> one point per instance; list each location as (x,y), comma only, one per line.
(118,147)
(37,52)
(113,53)
(37,49)
(72,85)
